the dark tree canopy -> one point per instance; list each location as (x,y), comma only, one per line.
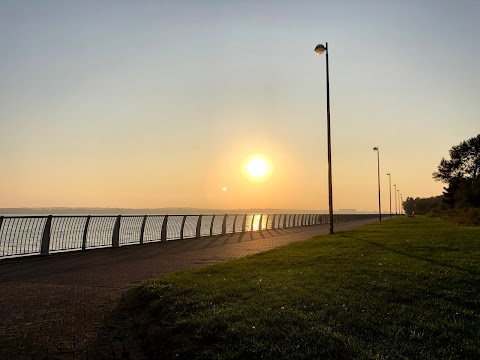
(421,206)
(461,173)
(464,162)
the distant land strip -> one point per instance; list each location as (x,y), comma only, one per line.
(159,211)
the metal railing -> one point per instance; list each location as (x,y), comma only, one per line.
(43,235)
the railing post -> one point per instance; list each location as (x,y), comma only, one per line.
(260,222)
(1,222)
(244,223)
(211,225)
(234,223)
(45,247)
(224,225)
(284,221)
(142,230)
(199,226)
(116,233)
(85,233)
(164,229)
(273,222)
(251,225)
(183,226)
(266,222)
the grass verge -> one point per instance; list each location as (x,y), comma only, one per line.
(469,216)
(403,288)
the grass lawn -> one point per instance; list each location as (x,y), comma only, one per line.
(406,288)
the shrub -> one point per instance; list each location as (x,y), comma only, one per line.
(470,216)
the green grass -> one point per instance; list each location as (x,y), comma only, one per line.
(470,216)
(406,288)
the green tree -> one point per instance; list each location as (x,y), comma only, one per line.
(461,172)
(409,206)
(464,162)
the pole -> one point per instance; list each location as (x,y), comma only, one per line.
(390,188)
(378,169)
(398,194)
(330,193)
(395,193)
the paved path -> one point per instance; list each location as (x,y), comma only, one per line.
(61,306)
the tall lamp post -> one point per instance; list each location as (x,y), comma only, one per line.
(378,171)
(401,203)
(320,49)
(398,194)
(390,187)
(395,193)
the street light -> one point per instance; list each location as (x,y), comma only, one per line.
(395,193)
(378,171)
(390,187)
(401,203)
(320,49)
(398,194)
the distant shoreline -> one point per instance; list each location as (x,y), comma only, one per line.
(158,211)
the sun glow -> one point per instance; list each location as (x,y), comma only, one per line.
(257,168)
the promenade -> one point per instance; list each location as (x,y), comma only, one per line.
(66,306)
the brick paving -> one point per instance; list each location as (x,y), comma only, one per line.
(63,306)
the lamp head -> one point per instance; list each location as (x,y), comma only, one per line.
(375,148)
(320,49)
(388,174)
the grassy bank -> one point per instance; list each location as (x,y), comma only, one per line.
(469,217)
(403,288)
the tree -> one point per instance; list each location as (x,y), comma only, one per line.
(409,206)
(464,162)
(461,173)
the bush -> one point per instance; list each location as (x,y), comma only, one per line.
(469,216)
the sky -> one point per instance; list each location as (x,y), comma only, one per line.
(149,104)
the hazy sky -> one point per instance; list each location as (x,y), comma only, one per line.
(159,103)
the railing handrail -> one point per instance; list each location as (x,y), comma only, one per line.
(44,234)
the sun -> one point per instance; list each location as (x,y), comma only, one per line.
(257,167)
